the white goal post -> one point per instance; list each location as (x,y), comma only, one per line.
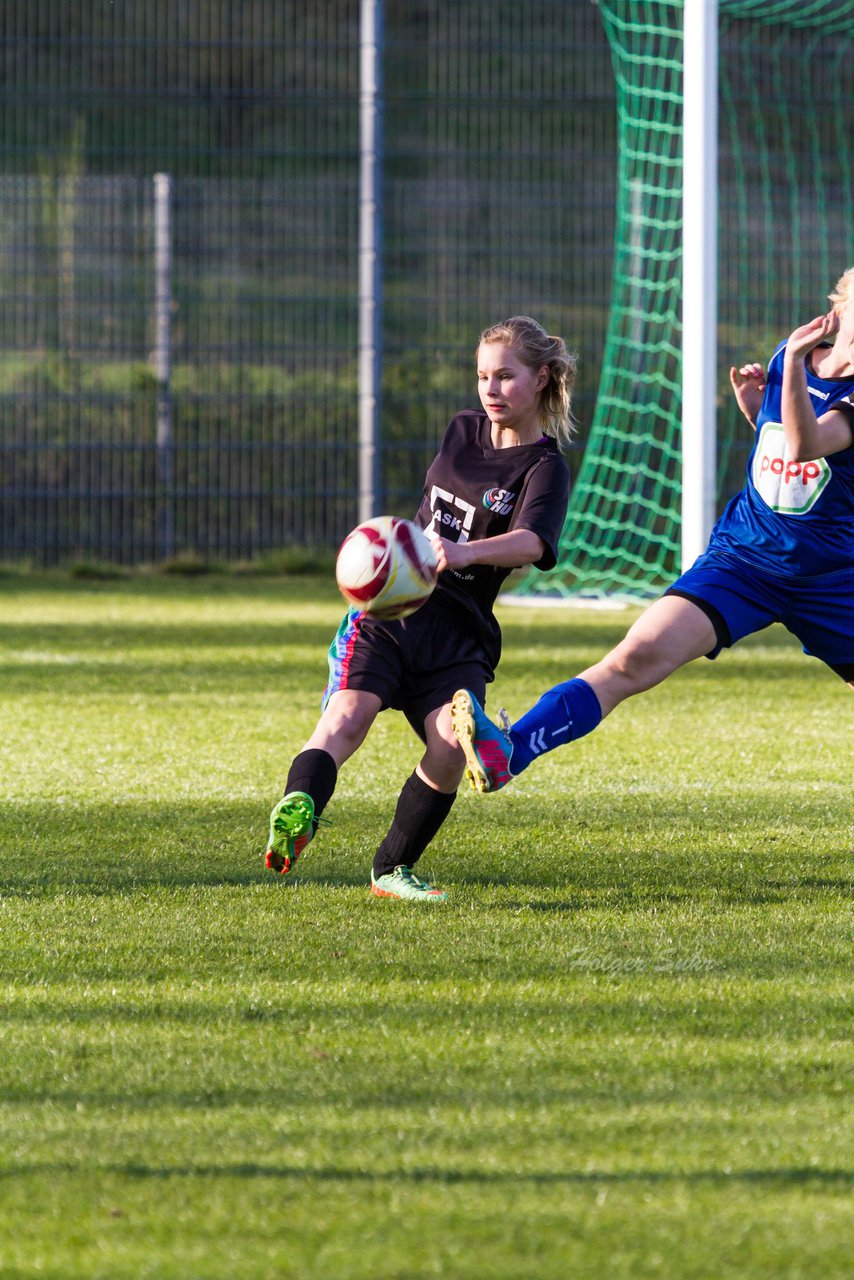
(699,273)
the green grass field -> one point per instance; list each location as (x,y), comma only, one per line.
(621,1050)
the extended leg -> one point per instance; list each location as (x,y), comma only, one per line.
(673,631)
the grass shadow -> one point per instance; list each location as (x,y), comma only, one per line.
(135,844)
(842,1179)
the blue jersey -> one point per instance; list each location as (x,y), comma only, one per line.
(793,519)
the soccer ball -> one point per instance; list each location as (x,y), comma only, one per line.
(386,566)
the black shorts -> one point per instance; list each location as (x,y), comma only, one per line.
(414,665)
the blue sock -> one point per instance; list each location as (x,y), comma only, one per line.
(565,713)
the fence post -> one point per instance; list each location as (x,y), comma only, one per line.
(163,363)
(370,256)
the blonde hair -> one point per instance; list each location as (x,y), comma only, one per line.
(536,348)
(842,290)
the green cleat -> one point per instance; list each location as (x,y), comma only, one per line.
(404,883)
(291,828)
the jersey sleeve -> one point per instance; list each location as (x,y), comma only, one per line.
(543,506)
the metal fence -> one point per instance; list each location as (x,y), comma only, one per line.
(223,421)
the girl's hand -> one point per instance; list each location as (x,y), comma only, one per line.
(809,335)
(748,384)
(450,555)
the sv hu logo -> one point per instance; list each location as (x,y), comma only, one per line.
(499,500)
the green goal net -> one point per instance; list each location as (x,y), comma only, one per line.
(786,233)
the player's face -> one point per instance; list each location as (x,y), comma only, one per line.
(509,390)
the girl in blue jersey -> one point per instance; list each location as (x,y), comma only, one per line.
(782,551)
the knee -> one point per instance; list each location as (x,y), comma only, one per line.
(443,764)
(637,662)
(349,726)
(344,725)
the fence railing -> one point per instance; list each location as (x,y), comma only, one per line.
(179,373)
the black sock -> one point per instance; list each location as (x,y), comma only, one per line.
(315,773)
(419,814)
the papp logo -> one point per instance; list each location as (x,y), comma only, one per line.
(499,500)
(788,487)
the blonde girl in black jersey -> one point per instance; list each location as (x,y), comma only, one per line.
(494,500)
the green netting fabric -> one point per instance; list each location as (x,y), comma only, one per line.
(786,234)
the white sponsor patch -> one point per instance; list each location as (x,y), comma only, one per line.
(445,520)
(791,488)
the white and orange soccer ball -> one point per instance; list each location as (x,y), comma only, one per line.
(386,566)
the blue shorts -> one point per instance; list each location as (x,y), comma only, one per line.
(740,598)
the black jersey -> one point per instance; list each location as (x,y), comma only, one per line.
(474,491)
